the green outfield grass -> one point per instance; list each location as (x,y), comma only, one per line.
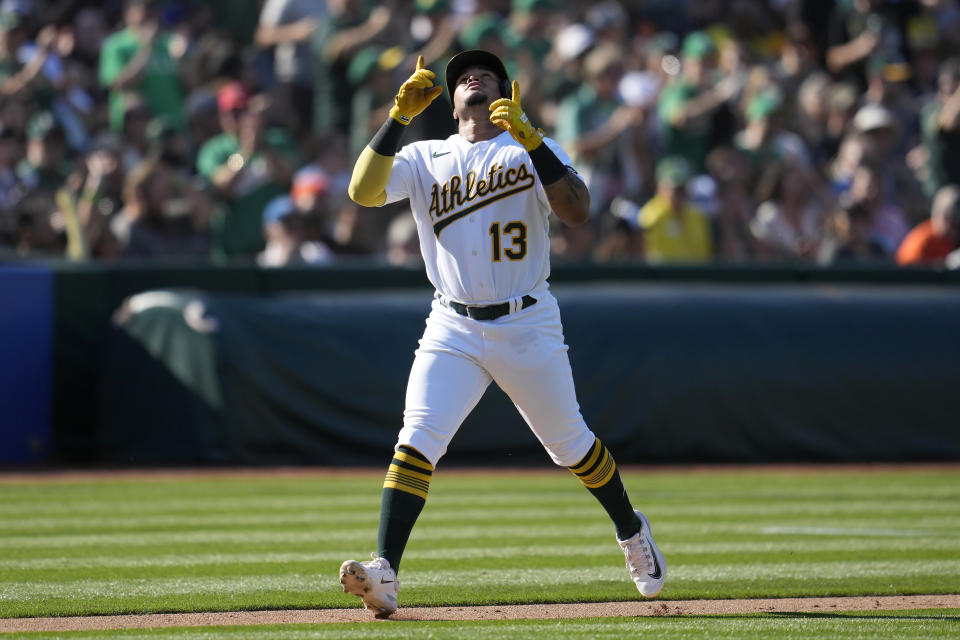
(208,544)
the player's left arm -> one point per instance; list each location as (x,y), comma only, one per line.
(568,197)
(566,193)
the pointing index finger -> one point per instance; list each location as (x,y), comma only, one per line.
(516,92)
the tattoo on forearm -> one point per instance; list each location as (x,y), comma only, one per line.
(568,190)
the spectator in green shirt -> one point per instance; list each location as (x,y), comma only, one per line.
(247,165)
(138,59)
(687,105)
(598,128)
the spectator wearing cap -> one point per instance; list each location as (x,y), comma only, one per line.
(688,104)
(139,59)
(881,133)
(310,194)
(931,241)
(755,138)
(673,229)
(247,165)
(763,139)
(285,243)
(879,123)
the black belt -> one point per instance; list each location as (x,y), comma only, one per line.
(488,312)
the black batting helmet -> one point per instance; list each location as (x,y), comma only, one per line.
(476,58)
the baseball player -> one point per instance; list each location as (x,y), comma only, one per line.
(482,200)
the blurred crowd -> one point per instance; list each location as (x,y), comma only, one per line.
(726,131)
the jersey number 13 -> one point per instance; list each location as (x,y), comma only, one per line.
(516,233)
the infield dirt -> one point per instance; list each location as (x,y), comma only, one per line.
(495,612)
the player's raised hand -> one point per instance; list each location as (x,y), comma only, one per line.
(415,94)
(508,114)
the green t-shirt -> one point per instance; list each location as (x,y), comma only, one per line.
(582,113)
(238,225)
(692,141)
(160,85)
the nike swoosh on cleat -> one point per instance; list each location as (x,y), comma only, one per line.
(656,569)
(382,581)
(437,155)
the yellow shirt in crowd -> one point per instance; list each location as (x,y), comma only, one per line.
(671,236)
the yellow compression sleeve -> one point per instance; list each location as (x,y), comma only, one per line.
(368,184)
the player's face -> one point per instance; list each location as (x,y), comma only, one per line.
(476,86)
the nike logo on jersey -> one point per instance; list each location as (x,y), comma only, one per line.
(437,155)
(477,190)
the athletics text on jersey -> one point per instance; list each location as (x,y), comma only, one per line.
(460,197)
(482,215)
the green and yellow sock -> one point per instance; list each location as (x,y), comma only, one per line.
(598,473)
(405,491)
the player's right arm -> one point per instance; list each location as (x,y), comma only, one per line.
(368,184)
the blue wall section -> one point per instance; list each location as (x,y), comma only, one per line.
(26,360)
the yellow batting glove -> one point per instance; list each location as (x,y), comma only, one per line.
(415,94)
(509,115)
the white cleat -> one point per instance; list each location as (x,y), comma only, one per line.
(374,581)
(644,560)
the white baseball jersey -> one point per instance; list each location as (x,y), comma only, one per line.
(483,221)
(482,215)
